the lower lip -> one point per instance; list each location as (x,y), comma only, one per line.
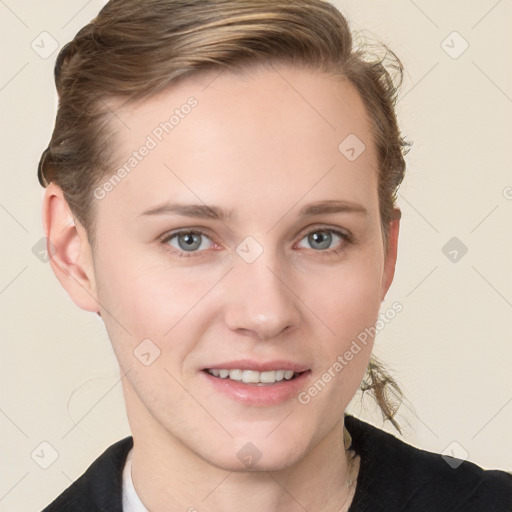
(252,394)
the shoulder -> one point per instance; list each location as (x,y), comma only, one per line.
(418,480)
(100,487)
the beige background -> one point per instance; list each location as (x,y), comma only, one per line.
(451,346)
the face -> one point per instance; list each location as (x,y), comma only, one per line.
(242,240)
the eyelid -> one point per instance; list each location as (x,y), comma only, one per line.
(181,231)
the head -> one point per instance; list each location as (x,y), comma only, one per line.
(262,114)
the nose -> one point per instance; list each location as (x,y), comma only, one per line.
(260,300)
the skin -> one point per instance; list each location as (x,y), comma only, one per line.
(258,148)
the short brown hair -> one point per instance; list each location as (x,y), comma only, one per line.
(135,49)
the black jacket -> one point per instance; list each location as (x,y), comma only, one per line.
(393,476)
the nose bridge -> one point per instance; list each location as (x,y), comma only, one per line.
(260,301)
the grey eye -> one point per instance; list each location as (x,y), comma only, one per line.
(189,242)
(320,240)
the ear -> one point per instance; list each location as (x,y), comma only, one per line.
(69,251)
(391,254)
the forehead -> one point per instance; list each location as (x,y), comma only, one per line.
(269,133)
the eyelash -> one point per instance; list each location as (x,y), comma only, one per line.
(346,238)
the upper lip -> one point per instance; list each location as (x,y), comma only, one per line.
(258,366)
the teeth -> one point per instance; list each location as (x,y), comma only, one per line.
(248,376)
(236,374)
(253,377)
(267,377)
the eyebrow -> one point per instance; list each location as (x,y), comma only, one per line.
(199,211)
(214,212)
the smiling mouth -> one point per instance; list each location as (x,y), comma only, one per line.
(254,377)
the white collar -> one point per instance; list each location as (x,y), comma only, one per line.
(131,501)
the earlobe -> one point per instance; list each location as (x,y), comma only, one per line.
(391,254)
(69,250)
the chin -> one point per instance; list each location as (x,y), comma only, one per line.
(255,456)
(264,464)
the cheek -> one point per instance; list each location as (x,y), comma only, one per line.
(348,303)
(140,291)
(347,299)
(143,299)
